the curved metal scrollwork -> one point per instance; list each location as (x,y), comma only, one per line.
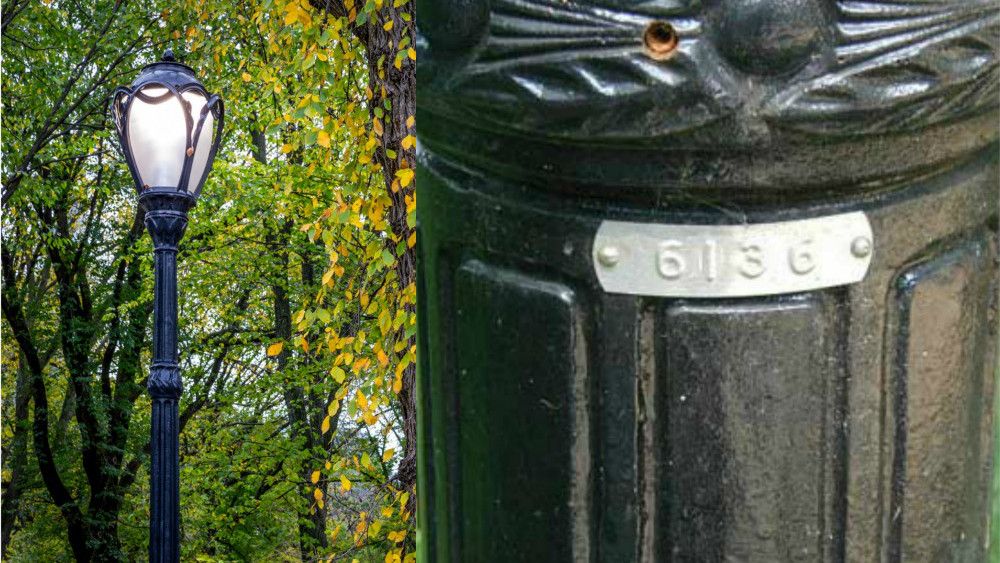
(176,84)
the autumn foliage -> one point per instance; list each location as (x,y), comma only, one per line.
(296,280)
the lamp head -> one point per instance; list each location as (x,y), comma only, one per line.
(169,127)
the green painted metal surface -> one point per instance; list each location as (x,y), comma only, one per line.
(560,422)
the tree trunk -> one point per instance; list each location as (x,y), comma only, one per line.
(312,530)
(66,414)
(399,87)
(18,456)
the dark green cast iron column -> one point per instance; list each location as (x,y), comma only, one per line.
(563,422)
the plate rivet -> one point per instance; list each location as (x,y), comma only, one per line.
(861,247)
(608,255)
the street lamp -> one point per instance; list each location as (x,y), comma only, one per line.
(169,128)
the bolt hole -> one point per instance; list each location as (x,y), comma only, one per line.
(660,40)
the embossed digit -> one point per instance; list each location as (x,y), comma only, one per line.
(710,263)
(800,259)
(753,261)
(669,262)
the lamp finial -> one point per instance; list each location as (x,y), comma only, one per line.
(168,56)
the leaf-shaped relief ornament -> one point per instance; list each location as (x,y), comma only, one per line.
(742,71)
(899,66)
(581,71)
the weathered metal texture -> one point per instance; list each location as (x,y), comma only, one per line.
(560,422)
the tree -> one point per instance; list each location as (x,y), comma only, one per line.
(386,32)
(296,277)
(57,188)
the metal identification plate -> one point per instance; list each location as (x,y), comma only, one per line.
(732,260)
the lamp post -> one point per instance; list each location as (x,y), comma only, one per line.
(169,128)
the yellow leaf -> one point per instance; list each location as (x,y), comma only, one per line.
(405,176)
(275,349)
(412,53)
(387,455)
(338,374)
(323,139)
(315,477)
(246,77)
(387,26)
(382,358)
(410,121)
(411,241)
(326,425)
(317,494)
(377,126)
(408,141)
(361,399)
(366,462)
(287,148)
(345,484)
(397,384)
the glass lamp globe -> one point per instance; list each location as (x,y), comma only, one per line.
(169,127)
